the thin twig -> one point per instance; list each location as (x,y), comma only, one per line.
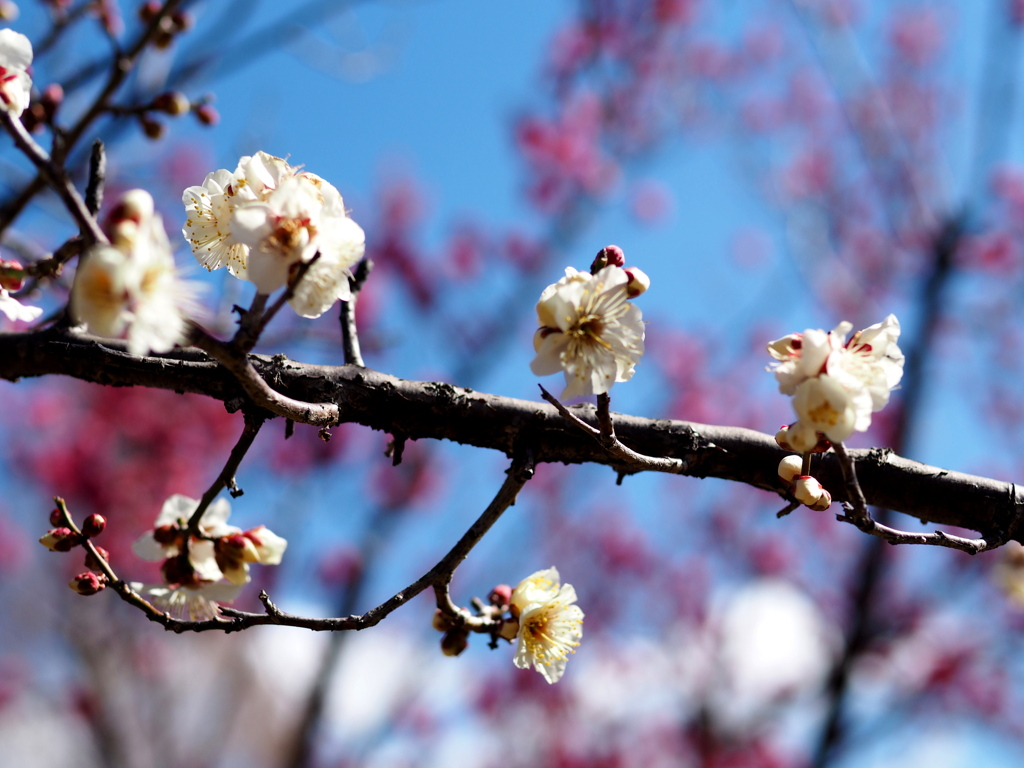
(611,443)
(120,68)
(226,478)
(56,177)
(438,577)
(97,177)
(349,337)
(857,513)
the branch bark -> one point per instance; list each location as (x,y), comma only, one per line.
(441,411)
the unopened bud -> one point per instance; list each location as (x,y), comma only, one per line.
(610,255)
(822,503)
(454,642)
(93,525)
(8,10)
(61,540)
(56,518)
(173,103)
(791,467)
(182,20)
(782,439)
(178,571)
(807,490)
(165,535)
(52,96)
(11,275)
(237,546)
(500,596)
(440,622)
(149,10)
(638,283)
(153,129)
(509,629)
(163,38)
(93,563)
(88,583)
(206,114)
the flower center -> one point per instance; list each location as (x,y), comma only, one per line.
(824,414)
(291,234)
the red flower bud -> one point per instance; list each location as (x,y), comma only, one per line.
(153,129)
(206,114)
(178,571)
(93,525)
(500,596)
(92,563)
(454,642)
(149,10)
(56,518)
(166,535)
(172,103)
(12,275)
(88,583)
(61,540)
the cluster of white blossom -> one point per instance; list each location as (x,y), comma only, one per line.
(266,218)
(590,330)
(199,572)
(549,626)
(836,384)
(130,288)
(15,94)
(15,83)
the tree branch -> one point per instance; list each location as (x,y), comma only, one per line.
(443,412)
(438,577)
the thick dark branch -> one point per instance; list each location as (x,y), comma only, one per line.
(440,411)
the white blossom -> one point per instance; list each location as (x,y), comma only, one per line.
(589,330)
(130,289)
(208,227)
(265,219)
(223,552)
(836,384)
(167,537)
(550,625)
(15,310)
(537,588)
(15,59)
(189,603)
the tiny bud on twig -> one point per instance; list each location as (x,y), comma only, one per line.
(88,583)
(61,540)
(93,525)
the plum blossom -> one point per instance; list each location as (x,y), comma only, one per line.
(589,330)
(265,219)
(130,289)
(15,59)
(15,310)
(550,625)
(222,552)
(836,384)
